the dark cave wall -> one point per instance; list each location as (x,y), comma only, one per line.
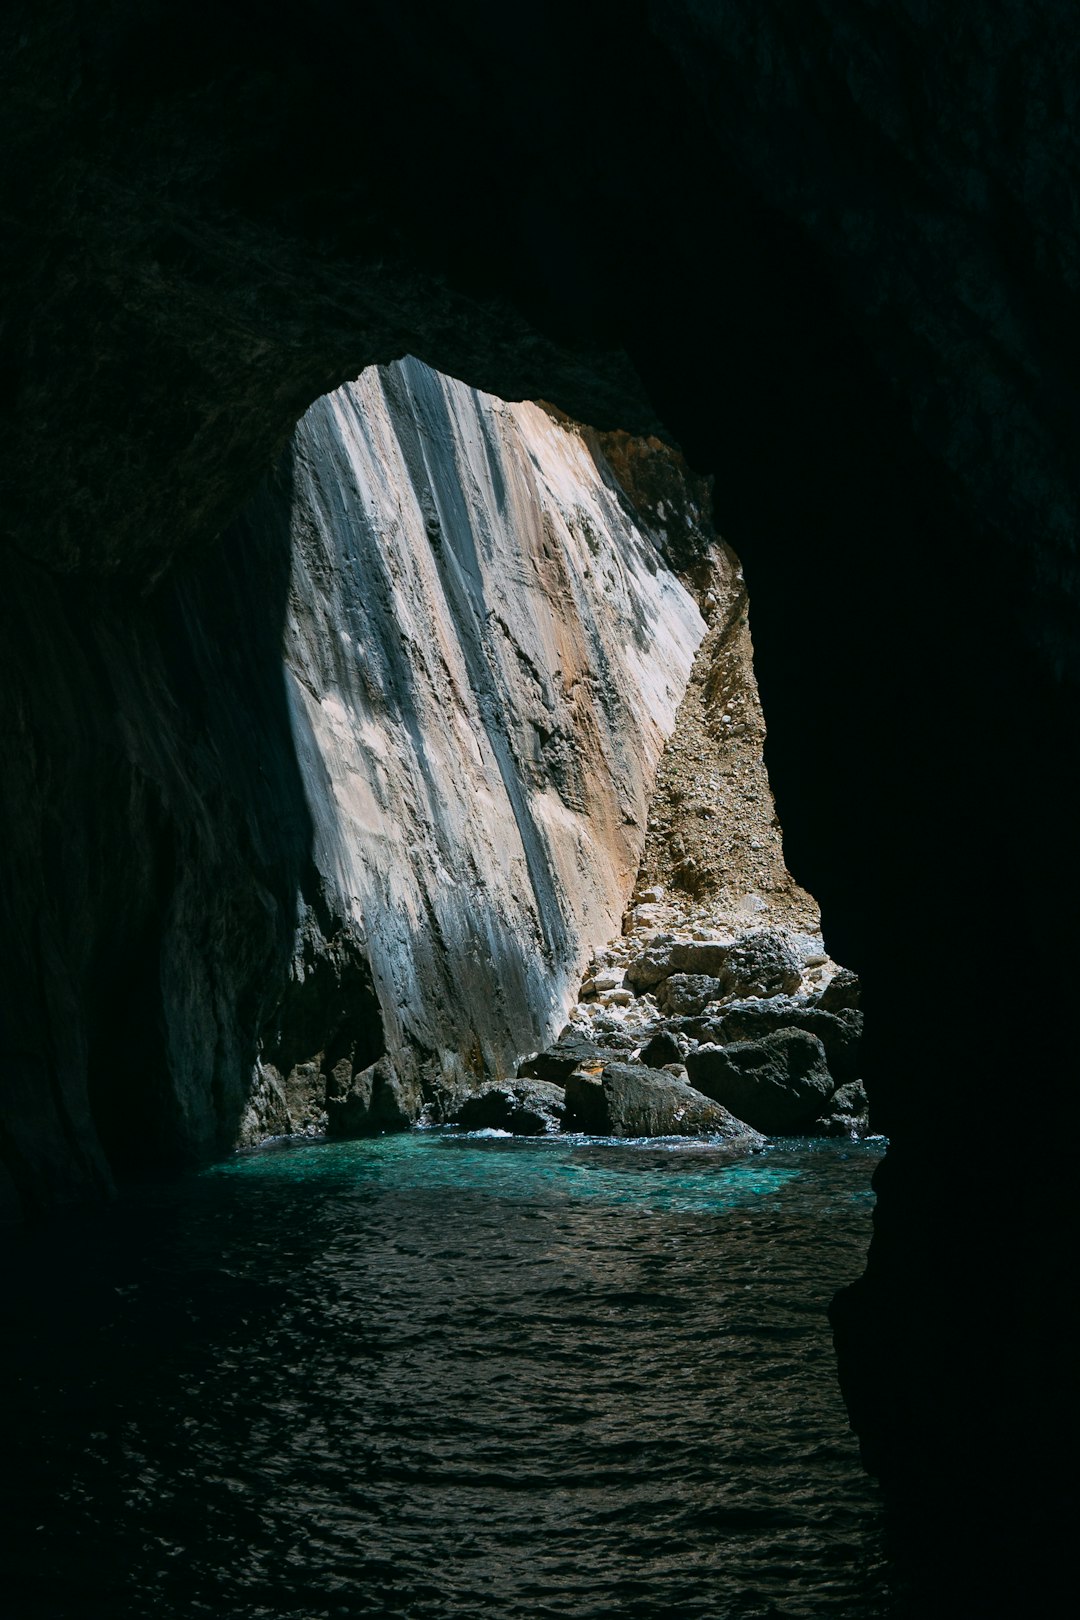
(156,846)
(837,244)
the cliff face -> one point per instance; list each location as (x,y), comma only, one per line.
(365,789)
(484,656)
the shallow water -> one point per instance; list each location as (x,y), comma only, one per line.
(442,1376)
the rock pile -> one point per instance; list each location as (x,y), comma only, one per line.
(684,1030)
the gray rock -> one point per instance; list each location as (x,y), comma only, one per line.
(572,1052)
(763,963)
(684,994)
(842,993)
(524,1107)
(707,956)
(848,1113)
(631,1100)
(810,949)
(662,1048)
(646,971)
(839,1032)
(780,1085)
(760,963)
(378,1098)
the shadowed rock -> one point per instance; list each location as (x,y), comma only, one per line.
(779,1085)
(684,994)
(661,1049)
(849,1112)
(523,1107)
(842,993)
(570,1053)
(630,1100)
(376,1099)
(839,1032)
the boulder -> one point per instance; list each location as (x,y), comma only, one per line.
(523,1107)
(708,956)
(684,994)
(780,1085)
(646,971)
(848,1112)
(839,1032)
(842,992)
(603,979)
(628,1099)
(764,963)
(662,1048)
(570,1052)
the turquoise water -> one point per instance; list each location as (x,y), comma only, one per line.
(442,1376)
(674,1175)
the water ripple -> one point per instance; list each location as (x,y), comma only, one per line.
(443,1377)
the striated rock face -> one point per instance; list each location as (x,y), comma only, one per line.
(484,656)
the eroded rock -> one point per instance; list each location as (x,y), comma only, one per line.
(839,1032)
(662,1049)
(842,993)
(849,1112)
(631,1100)
(523,1107)
(779,1085)
(684,994)
(372,1100)
(763,963)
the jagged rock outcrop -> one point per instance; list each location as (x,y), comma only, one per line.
(627,1099)
(522,1107)
(779,1085)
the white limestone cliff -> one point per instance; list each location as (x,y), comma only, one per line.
(484,654)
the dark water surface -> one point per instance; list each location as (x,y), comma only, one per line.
(441,1376)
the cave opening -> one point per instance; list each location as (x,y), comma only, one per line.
(521,693)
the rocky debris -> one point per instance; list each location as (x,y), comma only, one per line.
(842,993)
(839,1032)
(849,1113)
(684,994)
(701,956)
(631,1100)
(661,1050)
(763,963)
(523,1107)
(713,839)
(571,1052)
(748,1016)
(606,979)
(654,965)
(780,1085)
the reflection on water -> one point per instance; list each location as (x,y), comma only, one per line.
(444,1376)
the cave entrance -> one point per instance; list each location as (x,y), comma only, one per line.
(522,676)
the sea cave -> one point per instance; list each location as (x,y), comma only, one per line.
(471,1033)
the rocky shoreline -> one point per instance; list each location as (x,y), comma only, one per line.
(692,1027)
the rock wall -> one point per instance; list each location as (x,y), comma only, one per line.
(484,656)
